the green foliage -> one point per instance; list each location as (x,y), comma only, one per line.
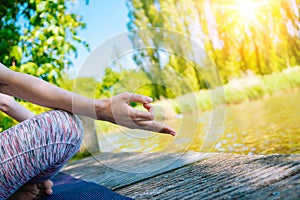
(263,86)
(240,90)
(38,37)
(168,72)
(6,122)
(261,36)
(106,87)
(80,155)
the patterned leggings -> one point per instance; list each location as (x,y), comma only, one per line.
(36,149)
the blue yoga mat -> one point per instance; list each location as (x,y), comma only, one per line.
(67,187)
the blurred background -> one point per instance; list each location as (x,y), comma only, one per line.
(254,44)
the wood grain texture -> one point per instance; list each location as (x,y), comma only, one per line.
(118,170)
(193,175)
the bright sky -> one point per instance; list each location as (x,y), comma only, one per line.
(104,19)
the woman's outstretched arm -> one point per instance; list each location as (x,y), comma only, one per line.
(116,109)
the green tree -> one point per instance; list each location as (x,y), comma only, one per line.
(154,62)
(38,37)
(256,35)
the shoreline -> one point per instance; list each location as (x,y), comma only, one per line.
(238,91)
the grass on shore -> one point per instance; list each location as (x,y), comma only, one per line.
(240,90)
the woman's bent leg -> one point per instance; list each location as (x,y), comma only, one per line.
(36,149)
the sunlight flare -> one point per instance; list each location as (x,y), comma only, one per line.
(249,11)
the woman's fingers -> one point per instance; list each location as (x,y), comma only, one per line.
(145,120)
(138,115)
(161,128)
(138,98)
(149,107)
(168,130)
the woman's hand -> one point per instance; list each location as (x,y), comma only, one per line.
(118,110)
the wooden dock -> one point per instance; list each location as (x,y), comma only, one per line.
(193,175)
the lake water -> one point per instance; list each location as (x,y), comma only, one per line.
(266,126)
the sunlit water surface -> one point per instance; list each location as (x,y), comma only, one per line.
(266,126)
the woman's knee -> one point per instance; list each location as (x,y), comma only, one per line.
(43,144)
(64,142)
(52,127)
(67,126)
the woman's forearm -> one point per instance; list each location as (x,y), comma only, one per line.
(45,94)
(9,106)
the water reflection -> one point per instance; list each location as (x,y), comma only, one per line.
(260,127)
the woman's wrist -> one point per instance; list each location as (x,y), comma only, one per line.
(103,109)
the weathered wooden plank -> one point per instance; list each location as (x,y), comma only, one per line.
(225,176)
(118,170)
(193,175)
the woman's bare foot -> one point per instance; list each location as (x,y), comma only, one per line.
(31,191)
